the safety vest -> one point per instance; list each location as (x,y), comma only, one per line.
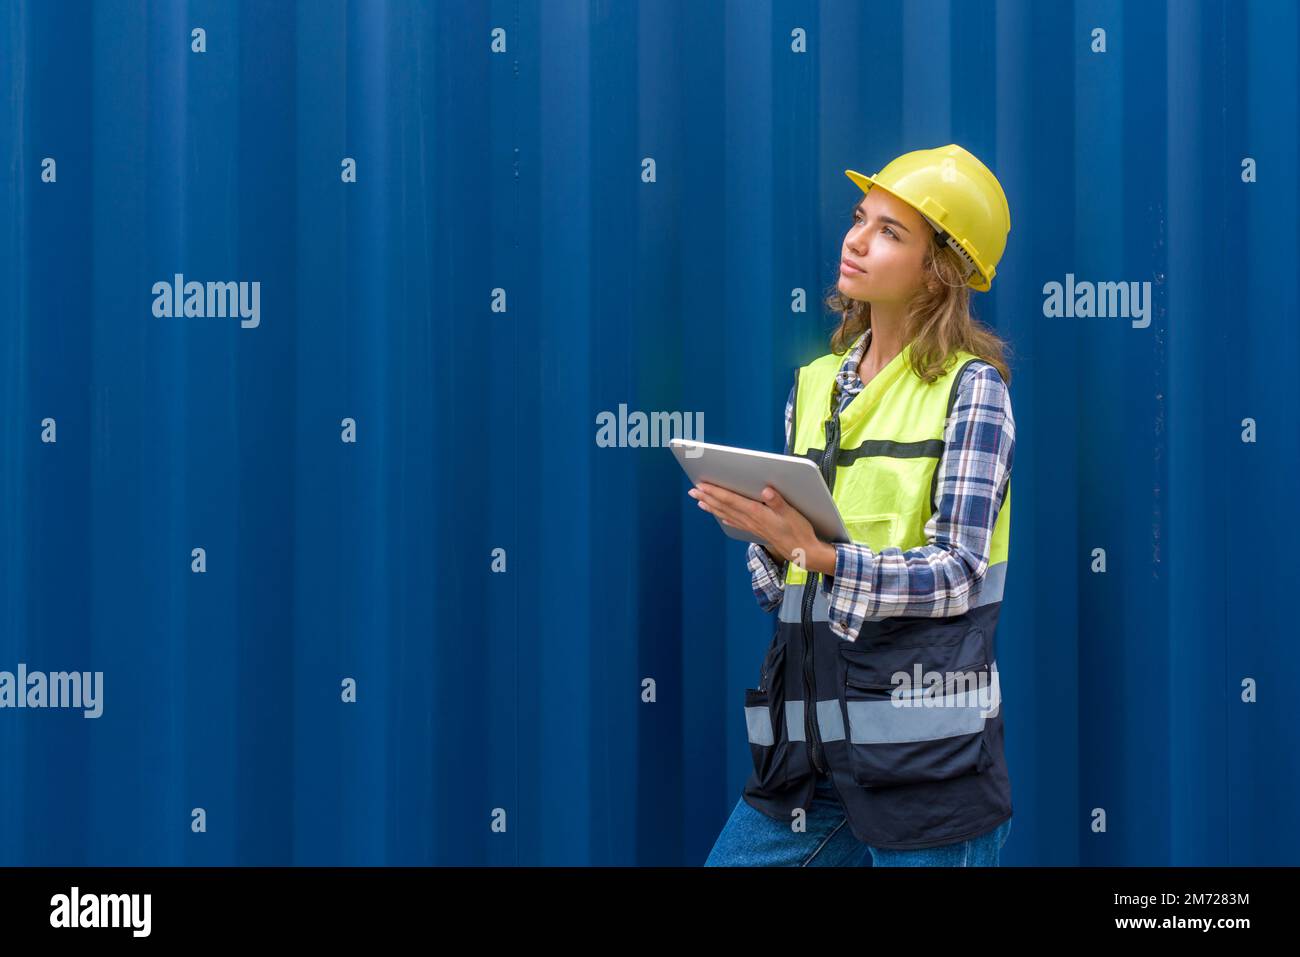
(916,763)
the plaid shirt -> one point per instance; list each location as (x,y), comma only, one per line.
(933,580)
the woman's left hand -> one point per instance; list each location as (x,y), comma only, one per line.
(789,535)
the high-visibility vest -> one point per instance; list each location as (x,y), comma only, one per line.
(918,762)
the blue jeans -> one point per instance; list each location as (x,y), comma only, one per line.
(752,839)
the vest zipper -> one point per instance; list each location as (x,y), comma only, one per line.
(811,583)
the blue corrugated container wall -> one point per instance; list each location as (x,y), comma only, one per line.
(561,209)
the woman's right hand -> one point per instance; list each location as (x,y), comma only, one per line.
(773,519)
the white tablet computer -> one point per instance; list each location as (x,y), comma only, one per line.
(746,471)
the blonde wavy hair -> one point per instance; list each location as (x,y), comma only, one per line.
(939,320)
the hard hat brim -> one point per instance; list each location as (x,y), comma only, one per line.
(864,182)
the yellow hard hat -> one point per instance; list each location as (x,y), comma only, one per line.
(961,199)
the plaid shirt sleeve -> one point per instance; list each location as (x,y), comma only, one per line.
(936,579)
(767,574)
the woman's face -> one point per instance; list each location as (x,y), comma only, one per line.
(883,257)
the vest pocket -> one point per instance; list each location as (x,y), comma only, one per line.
(762,735)
(874,531)
(777,759)
(899,734)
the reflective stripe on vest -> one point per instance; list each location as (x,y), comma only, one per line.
(926,717)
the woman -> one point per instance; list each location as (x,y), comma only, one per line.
(900,761)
